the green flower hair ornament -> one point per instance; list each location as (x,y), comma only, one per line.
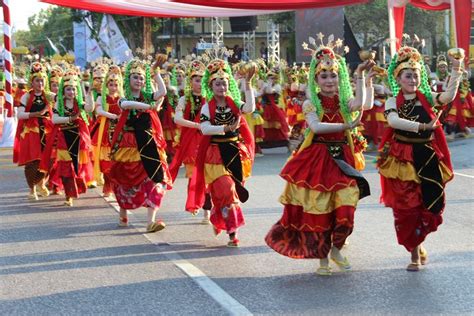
(174,77)
(147,91)
(79,99)
(233,86)
(28,74)
(424,86)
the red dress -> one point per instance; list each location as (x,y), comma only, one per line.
(139,170)
(275,127)
(186,151)
(170,129)
(319,198)
(414,168)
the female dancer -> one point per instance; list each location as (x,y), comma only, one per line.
(187,116)
(323,187)
(225,155)
(73,142)
(415,163)
(139,169)
(34,115)
(108,111)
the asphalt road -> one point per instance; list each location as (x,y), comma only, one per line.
(56,260)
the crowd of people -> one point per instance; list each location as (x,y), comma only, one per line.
(131,128)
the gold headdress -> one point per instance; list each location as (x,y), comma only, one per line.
(196,68)
(56,74)
(114,73)
(441,60)
(138,67)
(99,71)
(217,70)
(326,58)
(86,75)
(37,70)
(70,78)
(407,58)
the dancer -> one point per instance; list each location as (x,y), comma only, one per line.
(415,162)
(108,112)
(71,139)
(187,116)
(34,124)
(139,170)
(323,187)
(226,151)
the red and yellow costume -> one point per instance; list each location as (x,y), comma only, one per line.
(139,170)
(461,111)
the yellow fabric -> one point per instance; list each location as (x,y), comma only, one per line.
(318,202)
(129,154)
(272,125)
(97,150)
(394,169)
(379,117)
(214,171)
(359,160)
(300,117)
(104,153)
(27,130)
(63,155)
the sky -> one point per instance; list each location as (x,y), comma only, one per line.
(21,10)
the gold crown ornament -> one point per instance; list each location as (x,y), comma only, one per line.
(407,58)
(441,60)
(138,67)
(56,74)
(99,71)
(114,74)
(70,78)
(37,70)
(216,70)
(196,68)
(326,58)
(457,53)
(86,75)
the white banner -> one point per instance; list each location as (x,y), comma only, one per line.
(112,38)
(93,49)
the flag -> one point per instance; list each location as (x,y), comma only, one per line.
(56,50)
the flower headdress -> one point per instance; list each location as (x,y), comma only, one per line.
(408,57)
(137,66)
(219,68)
(71,78)
(324,58)
(37,70)
(114,74)
(55,74)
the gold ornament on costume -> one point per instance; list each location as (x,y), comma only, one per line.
(217,70)
(407,58)
(456,53)
(99,71)
(441,60)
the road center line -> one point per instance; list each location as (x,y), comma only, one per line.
(224,299)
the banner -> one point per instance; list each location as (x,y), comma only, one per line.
(80,51)
(94,51)
(113,41)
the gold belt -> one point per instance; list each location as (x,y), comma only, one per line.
(68,127)
(225,140)
(412,140)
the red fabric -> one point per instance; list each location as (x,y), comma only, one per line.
(459,118)
(399,20)
(223,195)
(463,13)
(272,113)
(439,137)
(245,134)
(422,4)
(272,4)
(29,149)
(188,143)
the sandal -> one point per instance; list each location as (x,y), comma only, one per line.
(43,191)
(324,270)
(344,265)
(413,267)
(33,196)
(155,227)
(123,222)
(423,256)
(234,243)
(68,202)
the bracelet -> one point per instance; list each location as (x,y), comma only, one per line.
(423,126)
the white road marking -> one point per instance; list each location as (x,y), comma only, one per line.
(230,304)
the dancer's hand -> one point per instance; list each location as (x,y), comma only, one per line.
(433,124)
